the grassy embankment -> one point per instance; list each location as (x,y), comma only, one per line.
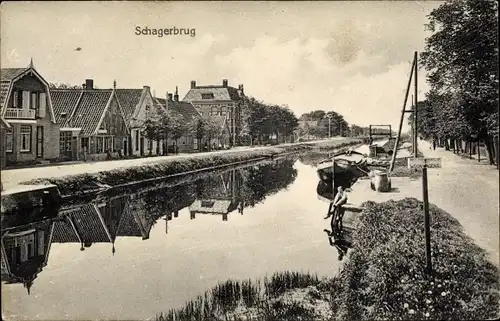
(121,177)
(382,279)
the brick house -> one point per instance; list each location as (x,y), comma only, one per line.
(187,113)
(32,134)
(216,101)
(92,122)
(137,105)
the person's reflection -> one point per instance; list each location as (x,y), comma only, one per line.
(337,240)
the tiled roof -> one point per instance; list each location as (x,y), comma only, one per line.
(219,93)
(180,108)
(64,101)
(4,89)
(128,225)
(89,111)
(89,225)
(7,74)
(129,99)
(64,232)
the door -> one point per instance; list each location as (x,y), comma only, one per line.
(125,147)
(39,141)
(142,146)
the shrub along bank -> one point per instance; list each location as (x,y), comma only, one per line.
(383,277)
(90,182)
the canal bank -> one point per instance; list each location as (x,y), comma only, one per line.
(92,177)
(384,275)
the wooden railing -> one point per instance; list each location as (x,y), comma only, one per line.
(20,113)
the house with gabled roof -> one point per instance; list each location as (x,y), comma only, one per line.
(216,101)
(26,107)
(25,252)
(137,106)
(92,123)
(186,113)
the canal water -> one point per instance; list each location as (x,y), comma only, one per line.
(134,255)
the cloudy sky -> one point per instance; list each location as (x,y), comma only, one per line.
(351,57)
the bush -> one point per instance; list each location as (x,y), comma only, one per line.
(384,278)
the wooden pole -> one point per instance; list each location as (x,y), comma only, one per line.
(415,113)
(402,119)
(478,150)
(428,268)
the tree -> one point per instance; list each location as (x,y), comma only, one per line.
(461,58)
(197,128)
(64,86)
(177,127)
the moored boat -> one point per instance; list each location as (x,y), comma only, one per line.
(341,164)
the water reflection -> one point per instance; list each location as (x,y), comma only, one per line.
(25,246)
(338,235)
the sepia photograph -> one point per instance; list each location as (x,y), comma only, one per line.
(249,160)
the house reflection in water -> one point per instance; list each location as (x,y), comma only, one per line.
(218,195)
(102,223)
(25,252)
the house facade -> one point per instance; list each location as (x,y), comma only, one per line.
(4,127)
(32,133)
(219,101)
(25,252)
(137,106)
(92,123)
(187,114)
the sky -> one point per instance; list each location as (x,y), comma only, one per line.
(350,57)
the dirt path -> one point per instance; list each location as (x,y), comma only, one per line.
(469,191)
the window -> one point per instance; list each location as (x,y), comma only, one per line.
(106,143)
(15,100)
(10,142)
(25,138)
(100,145)
(65,141)
(214,111)
(26,100)
(34,101)
(136,140)
(207,96)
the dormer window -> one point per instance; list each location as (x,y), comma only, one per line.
(63,115)
(207,96)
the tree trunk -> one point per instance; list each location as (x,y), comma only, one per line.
(446,145)
(478,150)
(490,149)
(470,149)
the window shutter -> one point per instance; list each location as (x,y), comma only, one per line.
(26,99)
(43,107)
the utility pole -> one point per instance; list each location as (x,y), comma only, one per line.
(402,117)
(415,112)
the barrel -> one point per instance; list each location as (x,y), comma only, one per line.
(380,181)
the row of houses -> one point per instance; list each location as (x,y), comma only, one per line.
(40,124)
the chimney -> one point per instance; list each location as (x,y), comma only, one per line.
(224,83)
(89,84)
(146,87)
(193,84)
(176,96)
(240,89)
(83,86)
(169,97)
